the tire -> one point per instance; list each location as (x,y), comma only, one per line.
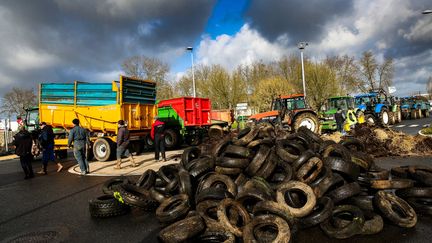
(222,211)
(354,227)
(193,140)
(149,143)
(419,114)
(215,132)
(392,118)
(103,149)
(398,116)
(135,196)
(171,139)
(298,186)
(137,147)
(413,114)
(147,179)
(107,187)
(370,120)
(259,223)
(384,118)
(173,208)
(390,204)
(182,230)
(106,206)
(426,113)
(308,120)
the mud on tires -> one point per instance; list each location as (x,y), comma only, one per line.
(106,206)
(307,119)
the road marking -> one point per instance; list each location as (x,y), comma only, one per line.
(400,125)
(390,126)
(413,125)
(426,125)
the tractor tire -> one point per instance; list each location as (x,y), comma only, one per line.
(370,119)
(149,143)
(307,119)
(384,118)
(413,115)
(193,140)
(103,149)
(398,116)
(426,113)
(392,118)
(171,139)
(419,114)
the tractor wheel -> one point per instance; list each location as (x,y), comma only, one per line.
(419,114)
(426,113)
(102,149)
(384,118)
(398,116)
(61,154)
(149,143)
(413,114)
(370,119)
(307,119)
(392,118)
(171,139)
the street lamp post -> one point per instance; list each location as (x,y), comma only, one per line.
(301,46)
(193,73)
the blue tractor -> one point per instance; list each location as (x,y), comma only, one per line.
(414,107)
(378,108)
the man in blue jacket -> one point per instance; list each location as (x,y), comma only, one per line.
(79,137)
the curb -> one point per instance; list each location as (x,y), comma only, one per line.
(424,135)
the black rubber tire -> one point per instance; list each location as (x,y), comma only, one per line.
(212,236)
(344,192)
(212,193)
(312,136)
(182,230)
(171,139)
(224,219)
(185,184)
(229,162)
(108,185)
(107,206)
(216,179)
(147,179)
(243,132)
(135,196)
(387,203)
(370,120)
(103,149)
(351,143)
(347,169)
(215,132)
(321,212)
(280,225)
(148,141)
(173,208)
(190,154)
(354,227)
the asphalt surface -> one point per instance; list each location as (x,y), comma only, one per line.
(56,206)
(412,126)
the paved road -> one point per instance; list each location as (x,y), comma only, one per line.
(57,204)
(412,126)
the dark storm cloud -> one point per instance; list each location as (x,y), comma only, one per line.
(301,20)
(64,40)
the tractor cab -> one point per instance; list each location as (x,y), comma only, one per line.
(31,121)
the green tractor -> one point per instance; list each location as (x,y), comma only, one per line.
(330,108)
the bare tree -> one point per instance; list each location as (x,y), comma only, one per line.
(322,84)
(152,69)
(346,72)
(17,100)
(375,75)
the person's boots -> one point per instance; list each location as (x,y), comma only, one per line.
(117,166)
(132,161)
(59,167)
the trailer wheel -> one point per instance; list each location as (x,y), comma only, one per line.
(149,143)
(102,149)
(171,139)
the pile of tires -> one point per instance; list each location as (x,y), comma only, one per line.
(264,186)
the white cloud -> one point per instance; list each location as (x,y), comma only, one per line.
(243,48)
(25,58)
(421,31)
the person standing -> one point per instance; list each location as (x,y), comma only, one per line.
(157,133)
(78,136)
(23,146)
(340,119)
(123,144)
(46,139)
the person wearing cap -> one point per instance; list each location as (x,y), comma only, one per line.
(123,144)
(157,133)
(46,139)
(23,145)
(79,137)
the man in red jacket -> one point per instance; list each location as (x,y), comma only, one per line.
(158,135)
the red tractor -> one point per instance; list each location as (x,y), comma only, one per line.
(290,110)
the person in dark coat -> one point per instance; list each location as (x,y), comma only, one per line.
(79,137)
(340,119)
(46,139)
(157,133)
(123,144)
(23,146)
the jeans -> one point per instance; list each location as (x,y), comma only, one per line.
(26,164)
(48,154)
(159,146)
(80,156)
(339,127)
(122,151)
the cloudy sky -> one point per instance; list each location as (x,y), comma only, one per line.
(66,40)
